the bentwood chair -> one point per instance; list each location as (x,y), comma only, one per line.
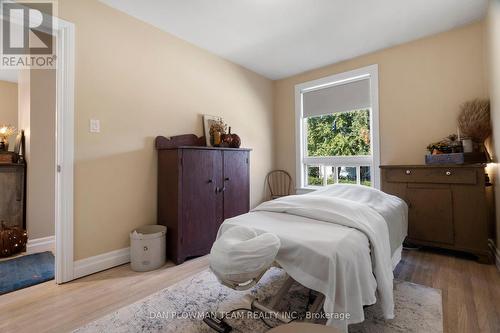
(279,183)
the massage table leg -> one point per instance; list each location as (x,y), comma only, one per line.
(282,292)
(317,304)
(256,305)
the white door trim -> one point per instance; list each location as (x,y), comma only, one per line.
(65,123)
(64,33)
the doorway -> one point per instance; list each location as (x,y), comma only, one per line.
(59,151)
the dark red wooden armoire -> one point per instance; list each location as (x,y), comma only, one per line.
(198,188)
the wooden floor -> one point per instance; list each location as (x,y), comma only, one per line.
(471,294)
(470,290)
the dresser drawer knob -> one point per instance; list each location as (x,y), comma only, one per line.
(408,172)
(448,173)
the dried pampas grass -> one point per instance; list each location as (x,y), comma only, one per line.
(474,120)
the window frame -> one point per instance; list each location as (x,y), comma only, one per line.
(368,72)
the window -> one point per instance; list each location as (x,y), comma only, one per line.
(337,129)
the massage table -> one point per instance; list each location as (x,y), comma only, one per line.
(342,241)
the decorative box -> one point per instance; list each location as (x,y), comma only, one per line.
(457,158)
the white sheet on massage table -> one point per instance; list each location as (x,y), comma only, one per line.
(393,209)
(307,244)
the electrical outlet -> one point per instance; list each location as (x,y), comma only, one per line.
(95,126)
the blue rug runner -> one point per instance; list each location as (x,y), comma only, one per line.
(26,271)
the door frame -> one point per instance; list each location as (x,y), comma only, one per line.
(64,32)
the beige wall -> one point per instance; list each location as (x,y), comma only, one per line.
(8,106)
(141,82)
(37,104)
(494,76)
(421,85)
(40,202)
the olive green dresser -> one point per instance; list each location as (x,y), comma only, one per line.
(450,207)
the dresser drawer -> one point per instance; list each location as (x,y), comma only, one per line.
(432,175)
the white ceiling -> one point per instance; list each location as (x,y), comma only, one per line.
(279,38)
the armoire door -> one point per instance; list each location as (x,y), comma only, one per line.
(201,172)
(236,183)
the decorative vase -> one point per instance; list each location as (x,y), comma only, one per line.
(468,145)
(236,142)
(4,145)
(217,138)
(227,139)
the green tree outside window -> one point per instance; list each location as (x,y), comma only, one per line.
(339,134)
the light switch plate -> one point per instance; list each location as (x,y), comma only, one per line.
(95,126)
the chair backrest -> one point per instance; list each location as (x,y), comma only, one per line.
(279,183)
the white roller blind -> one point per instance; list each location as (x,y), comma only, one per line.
(344,97)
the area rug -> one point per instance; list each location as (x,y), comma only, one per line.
(26,271)
(181,307)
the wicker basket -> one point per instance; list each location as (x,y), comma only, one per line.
(12,240)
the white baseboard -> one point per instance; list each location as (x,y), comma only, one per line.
(101,262)
(40,245)
(496,253)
